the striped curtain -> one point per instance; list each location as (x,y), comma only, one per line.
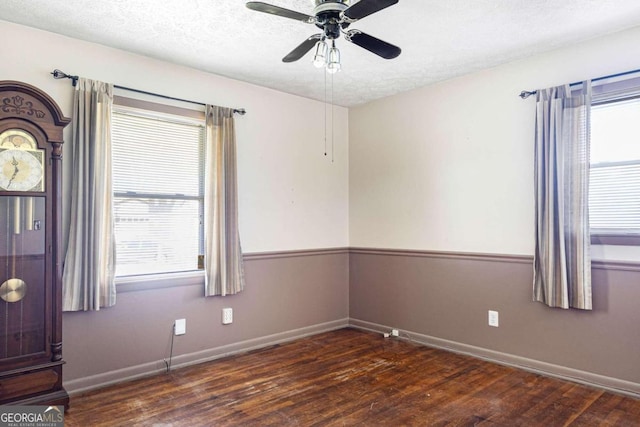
(224,272)
(562,262)
(88,279)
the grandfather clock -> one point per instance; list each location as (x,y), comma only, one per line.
(31,125)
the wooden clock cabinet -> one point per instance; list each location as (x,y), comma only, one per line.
(31,137)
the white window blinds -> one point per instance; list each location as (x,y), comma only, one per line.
(158,188)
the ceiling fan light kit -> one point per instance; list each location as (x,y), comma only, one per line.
(333,63)
(333,17)
(320,57)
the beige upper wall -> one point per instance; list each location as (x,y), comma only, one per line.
(291,195)
(450,166)
(445,167)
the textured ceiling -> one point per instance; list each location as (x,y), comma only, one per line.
(439,39)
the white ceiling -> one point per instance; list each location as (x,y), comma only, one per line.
(440,39)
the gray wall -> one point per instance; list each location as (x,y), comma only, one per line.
(287,295)
(444,299)
(435,298)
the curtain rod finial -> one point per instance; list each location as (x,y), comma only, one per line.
(526,93)
(57,74)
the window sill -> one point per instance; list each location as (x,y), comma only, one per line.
(159,281)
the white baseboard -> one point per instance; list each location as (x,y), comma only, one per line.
(92,382)
(562,372)
(616,385)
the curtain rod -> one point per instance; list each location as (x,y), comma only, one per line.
(527,93)
(57,74)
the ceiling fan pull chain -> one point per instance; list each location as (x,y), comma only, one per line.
(332,123)
(324,107)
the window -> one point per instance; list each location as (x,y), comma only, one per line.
(614,187)
(158,169)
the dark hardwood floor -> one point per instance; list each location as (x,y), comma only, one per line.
(349,377)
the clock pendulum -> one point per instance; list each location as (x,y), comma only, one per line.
(14,289)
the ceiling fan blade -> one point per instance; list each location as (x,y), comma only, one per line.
(366,7)
(372,44)
(279,11)
(302,49)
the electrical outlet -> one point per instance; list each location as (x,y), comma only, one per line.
(227,316)
(395,333)
(493,318)
(180,327)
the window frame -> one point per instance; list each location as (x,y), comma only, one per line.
(168,279)
(620,91)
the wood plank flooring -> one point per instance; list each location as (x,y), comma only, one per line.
(352,378)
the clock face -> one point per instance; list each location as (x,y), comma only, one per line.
(21,170)
(21,162)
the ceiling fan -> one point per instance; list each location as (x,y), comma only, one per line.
(333,17)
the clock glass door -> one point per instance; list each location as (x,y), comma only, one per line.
(22,269)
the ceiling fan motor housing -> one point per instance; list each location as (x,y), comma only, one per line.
(327,13)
